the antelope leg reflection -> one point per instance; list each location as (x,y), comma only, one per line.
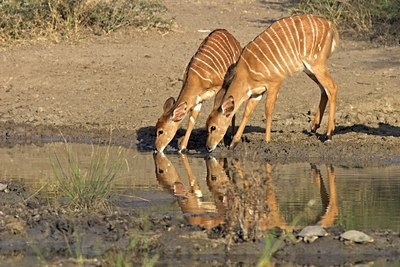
(329,201)
(194,209)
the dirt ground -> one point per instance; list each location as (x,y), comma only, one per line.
(119,83)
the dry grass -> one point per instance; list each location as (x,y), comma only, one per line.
(65,19)
(374,19)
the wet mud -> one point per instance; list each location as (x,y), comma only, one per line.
(242,219)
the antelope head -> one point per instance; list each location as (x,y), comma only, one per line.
(169,123)
(218,122)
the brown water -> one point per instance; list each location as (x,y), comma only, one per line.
(201,188)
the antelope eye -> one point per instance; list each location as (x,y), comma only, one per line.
(213,177)
(213,128)
(160,171)
(160,132)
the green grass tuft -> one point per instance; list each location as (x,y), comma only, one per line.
(90,188)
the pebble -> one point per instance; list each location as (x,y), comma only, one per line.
(3,187)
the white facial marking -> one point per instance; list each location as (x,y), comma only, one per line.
(249,93)
(198,100)
(197,107)
(258,97)
(308,67)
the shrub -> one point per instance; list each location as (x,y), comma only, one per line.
(375,19)
(55,19)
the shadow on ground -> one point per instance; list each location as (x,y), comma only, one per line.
(196,144)
(383,129)
(146,135)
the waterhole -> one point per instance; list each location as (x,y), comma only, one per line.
(206,191)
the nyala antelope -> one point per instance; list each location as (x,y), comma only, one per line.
(289,45)
(203,78)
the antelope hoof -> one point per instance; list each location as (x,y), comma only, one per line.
(182,150)
(233,144)
(314,128)
(328,138)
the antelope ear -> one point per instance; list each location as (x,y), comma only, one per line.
(218,98)
(179,112)
(228,106)
(168,104)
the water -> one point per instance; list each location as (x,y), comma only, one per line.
(206,190)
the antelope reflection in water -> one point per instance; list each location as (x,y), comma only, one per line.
(249,200)
(329,200)
(243,198)
(195,210)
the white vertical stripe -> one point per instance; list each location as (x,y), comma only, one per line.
(201,67)
(206,79)
(316,33)
(283,45)
(224,60)
(251,70)
(289,42)
(212,58)
(277,48)
(228,47)
(267,58)
(219,58)
(271,52)
(313,37)
(259,60)
(323,32)
(209,66)
(220,43)
(211,50)
(297,35)
(303,37)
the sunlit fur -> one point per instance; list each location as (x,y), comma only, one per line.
(288,46)
(220,124)
(168,128)
(203,78)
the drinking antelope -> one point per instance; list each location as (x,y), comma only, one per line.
(203,78)
(289,45)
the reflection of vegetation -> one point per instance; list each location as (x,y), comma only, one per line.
(92,188)
(272,243)
(64,18)
(137,248)
(376,18)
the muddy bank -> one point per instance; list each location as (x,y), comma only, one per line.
(31,227)
(355,145)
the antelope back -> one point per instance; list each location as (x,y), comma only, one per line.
(210,63)
(288,45)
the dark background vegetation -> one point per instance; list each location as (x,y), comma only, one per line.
(377,20)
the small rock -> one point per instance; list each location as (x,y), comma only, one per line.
(3,187)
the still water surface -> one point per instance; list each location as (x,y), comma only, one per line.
(202,189)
